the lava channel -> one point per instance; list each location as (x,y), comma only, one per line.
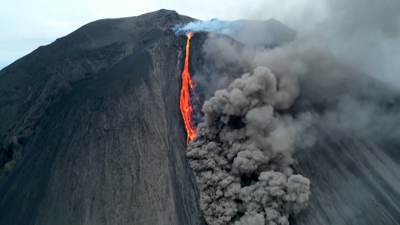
(185,104)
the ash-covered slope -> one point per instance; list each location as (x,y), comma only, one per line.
(355,163)
(93,122)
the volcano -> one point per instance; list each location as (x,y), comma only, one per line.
(91,131)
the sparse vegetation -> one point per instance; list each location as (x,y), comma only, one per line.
(8,159)
(8,167)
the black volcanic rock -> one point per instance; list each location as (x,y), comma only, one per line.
(93,120)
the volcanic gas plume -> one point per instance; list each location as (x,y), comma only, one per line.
(185,104)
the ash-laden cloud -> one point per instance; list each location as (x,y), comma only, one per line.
(299,92)
(242,153)
(340,97)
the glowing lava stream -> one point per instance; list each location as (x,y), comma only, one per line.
(186,105)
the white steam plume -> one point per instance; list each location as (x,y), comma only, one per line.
(268,33)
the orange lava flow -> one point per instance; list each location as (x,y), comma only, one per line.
(186,105)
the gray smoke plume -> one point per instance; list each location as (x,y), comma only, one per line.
(341,99)
(242,153)
(320,85)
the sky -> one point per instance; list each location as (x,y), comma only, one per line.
(26,24)
(360,31)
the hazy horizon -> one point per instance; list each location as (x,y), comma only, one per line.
(358,32)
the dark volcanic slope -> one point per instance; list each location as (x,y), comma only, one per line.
(355,181)
(355,173)
(96,117)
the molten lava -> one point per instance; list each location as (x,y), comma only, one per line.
(186,105)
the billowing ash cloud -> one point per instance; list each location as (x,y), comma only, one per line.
(242,154)
(299,93)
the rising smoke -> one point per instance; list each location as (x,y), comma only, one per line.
(297,93)
(242,152)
